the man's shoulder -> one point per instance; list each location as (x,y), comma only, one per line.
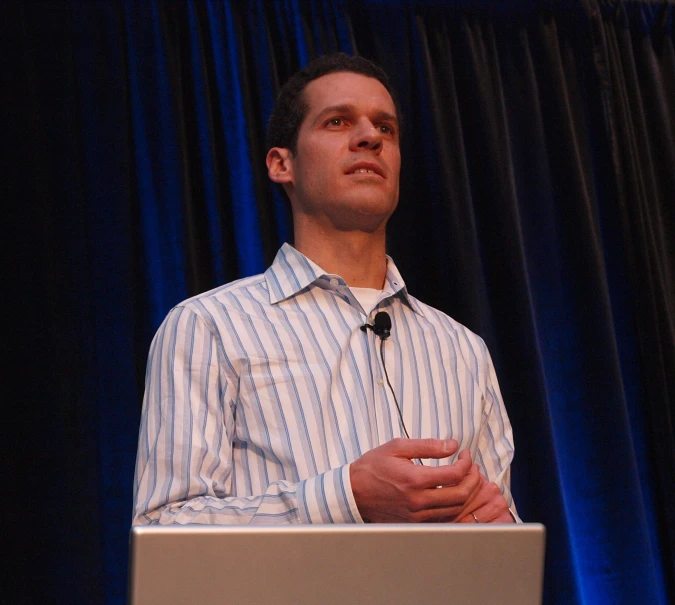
(232,296)
(442,321)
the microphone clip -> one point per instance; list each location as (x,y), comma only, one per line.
(381,325)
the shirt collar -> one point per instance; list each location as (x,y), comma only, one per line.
(291,272)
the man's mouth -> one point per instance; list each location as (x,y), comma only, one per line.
(366,168)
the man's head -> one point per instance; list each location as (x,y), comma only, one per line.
(291,107)
(338,157)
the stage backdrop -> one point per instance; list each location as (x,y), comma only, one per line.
(537,207)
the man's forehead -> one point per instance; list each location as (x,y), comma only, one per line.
(346,88)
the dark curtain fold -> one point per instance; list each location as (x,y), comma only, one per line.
(637,66)
(536,208)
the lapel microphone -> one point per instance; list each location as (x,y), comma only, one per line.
(381,325)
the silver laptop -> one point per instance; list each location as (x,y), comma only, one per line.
(428,564)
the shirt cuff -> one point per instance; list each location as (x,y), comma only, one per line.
(328,498)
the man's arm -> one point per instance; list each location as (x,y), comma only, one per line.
(184,463)
(493,503)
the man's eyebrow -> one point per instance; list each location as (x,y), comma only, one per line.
(380,116)
(385,116)
(343,108)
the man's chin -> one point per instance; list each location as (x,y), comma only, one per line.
(369,203)
(365,217)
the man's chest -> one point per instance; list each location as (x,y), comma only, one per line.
(328,396)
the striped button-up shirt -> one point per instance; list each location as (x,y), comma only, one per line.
(260,393)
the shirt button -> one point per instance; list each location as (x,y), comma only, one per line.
(380,382)
(333,282)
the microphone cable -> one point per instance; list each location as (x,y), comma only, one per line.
(382,328)
(398,407)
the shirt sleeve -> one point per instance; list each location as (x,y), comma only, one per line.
(495,443)
(184,460)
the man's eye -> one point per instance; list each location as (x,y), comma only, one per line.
(386,129)
(335,122)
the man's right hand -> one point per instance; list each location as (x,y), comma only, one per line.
(389,488)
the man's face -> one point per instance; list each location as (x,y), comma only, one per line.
(345,172)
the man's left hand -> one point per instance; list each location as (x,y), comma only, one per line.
(487,506)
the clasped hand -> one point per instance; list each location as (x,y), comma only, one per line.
(389,488)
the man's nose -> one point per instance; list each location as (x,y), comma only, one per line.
(366,136)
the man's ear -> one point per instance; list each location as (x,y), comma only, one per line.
(279,162)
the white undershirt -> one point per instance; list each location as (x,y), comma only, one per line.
(367,297)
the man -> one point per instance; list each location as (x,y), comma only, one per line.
(267,401)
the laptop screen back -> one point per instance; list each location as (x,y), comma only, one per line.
(464,564)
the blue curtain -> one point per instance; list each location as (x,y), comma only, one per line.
(536,208)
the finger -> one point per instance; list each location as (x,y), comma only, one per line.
(456,495)
(422,448)
(465,454)
(478,501)
(445,514)
(488,505)
(502,517)
(484,514)
(431,477)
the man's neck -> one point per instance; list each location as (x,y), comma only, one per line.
(359,258)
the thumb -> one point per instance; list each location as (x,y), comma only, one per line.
(424,448)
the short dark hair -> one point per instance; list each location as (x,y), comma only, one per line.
(291,108)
